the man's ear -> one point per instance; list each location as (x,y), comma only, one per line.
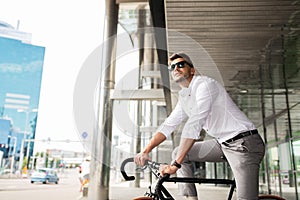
(193,70)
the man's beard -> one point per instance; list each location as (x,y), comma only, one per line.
(182,78)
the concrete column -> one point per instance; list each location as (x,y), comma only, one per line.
(101,146)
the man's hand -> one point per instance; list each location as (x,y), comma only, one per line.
(140,158)
(167,169)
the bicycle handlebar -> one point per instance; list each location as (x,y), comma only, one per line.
(148,163)
(127,178)
(160,190)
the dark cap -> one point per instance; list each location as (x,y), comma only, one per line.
(181,55)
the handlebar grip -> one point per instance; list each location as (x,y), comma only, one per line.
(127,178)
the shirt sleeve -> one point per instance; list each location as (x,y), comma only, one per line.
(174,119)
(206,92)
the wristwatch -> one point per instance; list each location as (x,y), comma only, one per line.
(176,164)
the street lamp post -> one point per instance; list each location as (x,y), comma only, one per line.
(23,141)
(27,112)
(13,154)
(28,149)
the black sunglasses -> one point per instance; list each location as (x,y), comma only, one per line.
(179,65)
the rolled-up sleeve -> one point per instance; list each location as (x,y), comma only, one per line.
(174,119)
(206,92)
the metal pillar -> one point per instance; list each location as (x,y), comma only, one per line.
(290,130)
(157,8)
(101,147)
(263,110)
(141,24)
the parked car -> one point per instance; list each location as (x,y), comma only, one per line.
(44,175)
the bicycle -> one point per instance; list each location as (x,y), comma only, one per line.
(161,193)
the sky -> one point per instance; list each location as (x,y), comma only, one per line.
(69,30)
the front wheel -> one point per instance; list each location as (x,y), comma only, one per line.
(270,197)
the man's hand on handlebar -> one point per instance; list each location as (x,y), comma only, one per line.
(167,169)
(141,158)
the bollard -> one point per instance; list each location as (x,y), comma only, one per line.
(85,191)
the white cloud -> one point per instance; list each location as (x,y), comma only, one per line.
(20,68)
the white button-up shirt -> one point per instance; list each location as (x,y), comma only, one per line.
(207,106)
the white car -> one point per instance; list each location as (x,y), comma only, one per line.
(44,175)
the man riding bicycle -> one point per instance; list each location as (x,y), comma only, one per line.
(207,105)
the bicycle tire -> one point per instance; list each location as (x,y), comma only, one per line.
(270,197)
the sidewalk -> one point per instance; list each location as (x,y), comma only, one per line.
(123,190)
(205,192)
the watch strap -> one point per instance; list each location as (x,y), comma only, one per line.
(176,164)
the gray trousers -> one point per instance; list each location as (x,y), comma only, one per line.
(243,155)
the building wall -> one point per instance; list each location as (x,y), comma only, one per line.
(21,66)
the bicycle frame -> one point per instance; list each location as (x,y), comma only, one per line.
(160,192)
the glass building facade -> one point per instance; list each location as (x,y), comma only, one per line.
(269,94)
(21,66)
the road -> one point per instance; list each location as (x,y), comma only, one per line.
(22,189)
(68,189)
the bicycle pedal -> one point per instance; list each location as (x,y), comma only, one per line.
(142,198)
